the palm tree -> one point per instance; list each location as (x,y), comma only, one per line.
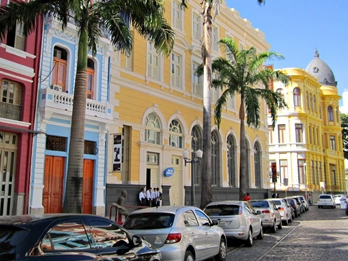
(239,73)
(92,18)
(207,6)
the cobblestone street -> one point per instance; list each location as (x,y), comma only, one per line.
(318,234)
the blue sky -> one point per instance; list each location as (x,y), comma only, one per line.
(295,28)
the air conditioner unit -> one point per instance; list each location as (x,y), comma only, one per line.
(56,87)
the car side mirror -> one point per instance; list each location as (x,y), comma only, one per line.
(215,222)
(258,212)
(137,240)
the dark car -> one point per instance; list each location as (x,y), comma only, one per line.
(294,204)
(70,237)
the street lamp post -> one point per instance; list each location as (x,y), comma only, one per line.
(197,158)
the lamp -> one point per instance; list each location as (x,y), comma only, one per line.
(196,159)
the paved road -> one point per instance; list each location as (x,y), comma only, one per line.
(318,234)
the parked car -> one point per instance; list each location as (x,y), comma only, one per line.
(179,232)
(347,209)
(70,237)
(294,204)
(303,201)
(269,213)
(338,198)
(284,209)
(238,219)
(326,200)
(300,203)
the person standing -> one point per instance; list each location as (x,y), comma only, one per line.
(159,197)
(247,197)
(154,197)
(142,197)
(148,197)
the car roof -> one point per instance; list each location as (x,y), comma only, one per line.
(226,202)
(163,209)
(26,219)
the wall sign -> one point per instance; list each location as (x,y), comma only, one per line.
(117,152)
(168,172)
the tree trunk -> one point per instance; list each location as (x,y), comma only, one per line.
(73,195)
(207,194)
(242,161)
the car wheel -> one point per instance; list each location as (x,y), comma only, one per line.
(274,228)
(280,226)
(260,236)
(189,256)
(249,242)
(222,251)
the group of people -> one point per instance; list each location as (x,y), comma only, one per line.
(150,198)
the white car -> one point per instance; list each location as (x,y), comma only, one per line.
(338,198)
(284,210)
(238,219)
(326,200)
(179,232)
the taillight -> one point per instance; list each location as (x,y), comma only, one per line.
(173,238)
(265,211)
(280,208)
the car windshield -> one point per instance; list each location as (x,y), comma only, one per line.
(325,197)
(277,202)
(149,221)
(259,204)
(10,237)
(222,210)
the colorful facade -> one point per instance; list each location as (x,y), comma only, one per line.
(158,109)
(19,67)
(306,143)
(53,120)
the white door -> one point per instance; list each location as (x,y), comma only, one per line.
(177,188)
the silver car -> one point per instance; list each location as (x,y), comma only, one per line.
(284,209)
(179,232)
(238,219)
(269,213)
(326,200)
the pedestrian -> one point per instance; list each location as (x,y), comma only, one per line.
(159,197)
(310,199)
(247,197)
(154,197)
(148,197)
(142,197)
(121,203)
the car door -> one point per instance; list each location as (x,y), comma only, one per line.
(255,219)
(212,238)
(195,232)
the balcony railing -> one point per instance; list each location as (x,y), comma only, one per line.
(61,101)
(10,111)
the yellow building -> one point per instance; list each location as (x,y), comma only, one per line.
(306,143)
(159,114)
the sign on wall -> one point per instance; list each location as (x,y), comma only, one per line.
(117,152)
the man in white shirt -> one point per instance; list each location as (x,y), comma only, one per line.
(154,197)
(142,197)
(148,197)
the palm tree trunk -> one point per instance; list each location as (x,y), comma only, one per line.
(206,194)
(242,161)
(73,195)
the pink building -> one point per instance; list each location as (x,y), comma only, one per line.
(19,67)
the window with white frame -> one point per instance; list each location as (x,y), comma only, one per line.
(176,66)
(196,27)
(215,39)
(10,100)
(177,16)
(175,134)
(231,102)
(299,132)
(281,133)
(197,81)
(153,62)
(15,37)
(231,161)
(297,97)
(270,134)
(153,129)
(330,113)
(332,142)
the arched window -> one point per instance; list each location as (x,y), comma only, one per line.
(297,97)
(231,161)
(215,158)
(10,100)
(330,113)
(247,162)
(153,129)
(257,165)
(196,144)
(175,134)
(59,70)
